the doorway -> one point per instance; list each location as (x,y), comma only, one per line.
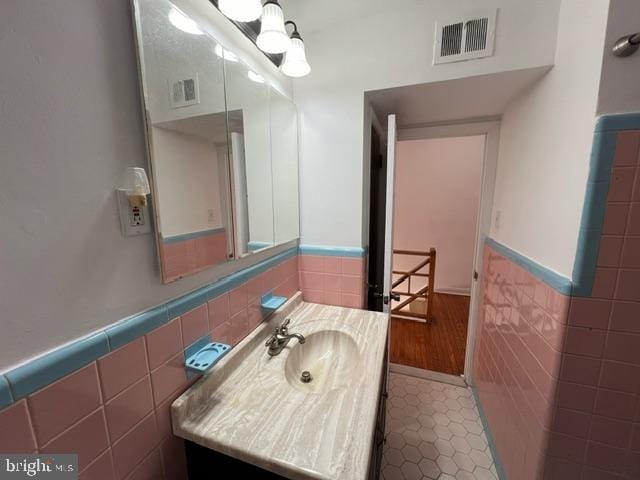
(442,201)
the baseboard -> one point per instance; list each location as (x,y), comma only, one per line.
(454,291)
(428,374)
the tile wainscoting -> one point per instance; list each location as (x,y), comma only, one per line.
(333,275)
(557,363)
(187,254)
(109,399)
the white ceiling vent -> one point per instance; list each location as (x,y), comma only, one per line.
(465,38)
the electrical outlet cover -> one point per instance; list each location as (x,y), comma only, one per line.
(132,222)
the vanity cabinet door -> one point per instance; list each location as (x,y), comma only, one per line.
(380,434)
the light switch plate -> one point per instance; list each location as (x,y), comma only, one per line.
(133,220)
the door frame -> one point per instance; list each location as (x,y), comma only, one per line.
(490,128)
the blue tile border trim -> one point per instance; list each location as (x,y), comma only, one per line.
(5,393)
(53,366)
(44,370)
(554,280)
(623,121)
(190,236)
(487,430)
(595,202)
(356,252)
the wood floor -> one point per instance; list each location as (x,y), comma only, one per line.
(439,346)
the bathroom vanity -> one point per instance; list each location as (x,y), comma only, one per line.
(257,414)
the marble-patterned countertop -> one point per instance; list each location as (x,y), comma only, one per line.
(245,408)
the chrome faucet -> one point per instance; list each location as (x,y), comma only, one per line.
(280,339)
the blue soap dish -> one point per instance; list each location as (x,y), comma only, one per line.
(271,302)
(207,357)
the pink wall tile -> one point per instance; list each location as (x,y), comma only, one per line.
(163,343)
(332,282)
(332,265)
(572,423)
(134,446)
(174,458)
(610,250)
(333,298)
(168,378)
(351,301)
(257,287)
(615,404)
(222,333)
(579,369)
(16,434)
(635,439)
(610,432)
(631,253)
(615,219)
(59,405)
(313,296)
(163,415)
(219,311)
(195,324)
(128,408)
(628,287)
(625,316)
(352,285)
(620,376)
(122,367)
(100,469)
(627,146)
(312,280)
(239,326)
(88,438)
(624,347)
(311,263)
(238,300)
(149,469)
(621,184)
(633,226)
(589,312)
(585,341)
(576,397)
(566,447)
(352,266)
(604,283)
(606,457)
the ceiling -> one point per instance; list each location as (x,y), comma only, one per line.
(453,100)
(311,15)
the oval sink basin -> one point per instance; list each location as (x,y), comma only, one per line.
(330,356)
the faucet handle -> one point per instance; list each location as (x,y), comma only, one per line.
(272,338)
(284,328)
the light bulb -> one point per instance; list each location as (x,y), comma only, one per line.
(273,37)
(295,60)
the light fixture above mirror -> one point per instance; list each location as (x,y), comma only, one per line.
(295,59)
(269,33)
(273,36)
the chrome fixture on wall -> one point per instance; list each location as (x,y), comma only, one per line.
(627,45)
(251,16)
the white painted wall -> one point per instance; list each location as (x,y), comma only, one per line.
(619,92)
(386,49)
(545,143)
(187,184)
(436,205)
(70,123)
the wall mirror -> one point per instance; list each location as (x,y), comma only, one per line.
(222,144)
